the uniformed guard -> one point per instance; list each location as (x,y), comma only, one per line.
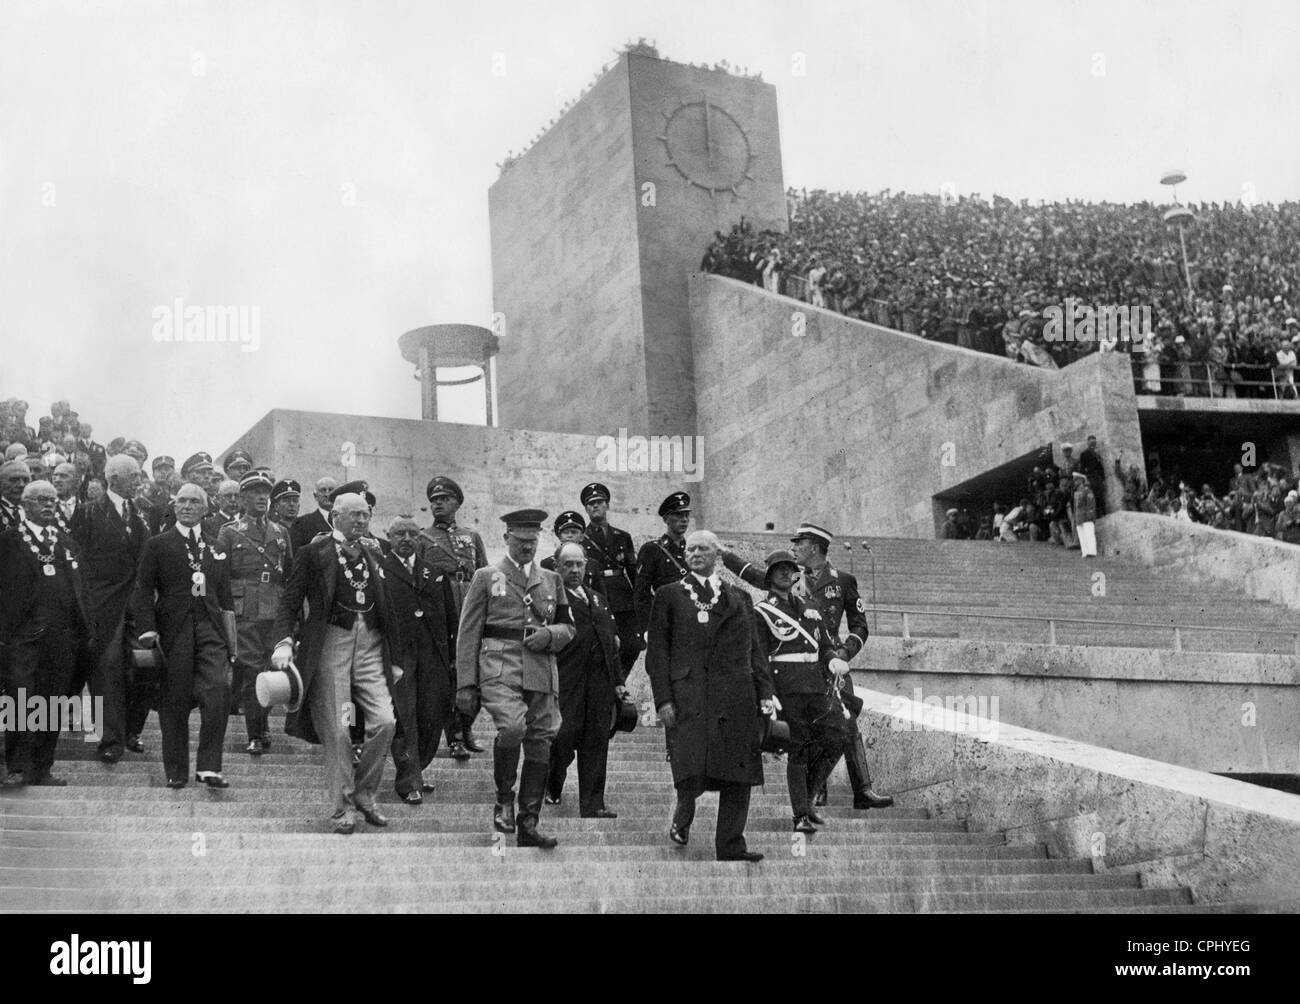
(285,496)
(568,528)
(662,560)
(514,619)
(611,566)
(456,552)
(804,665)
(237,464)
(258,553)
(836,595)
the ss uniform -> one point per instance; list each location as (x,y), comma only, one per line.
(836,595)
(798,648)
(456,553)
(612,564)
(258,552)
(513,621)
(660,561)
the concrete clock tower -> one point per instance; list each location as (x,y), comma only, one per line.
(595,229)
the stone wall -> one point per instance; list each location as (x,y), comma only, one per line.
(1259,567)
(805,410)
(1226,840)
(498,469)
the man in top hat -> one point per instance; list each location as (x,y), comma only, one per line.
(591,680)
(456,552)
(257,550)
(316,522)
(237,464)
(285,496)
(426,609)
(111,533)
(835,593)
(182,603)
(662,560)
(45,627)
(611,567)
(348,647)
(710,681)
(805,666)
(514,618)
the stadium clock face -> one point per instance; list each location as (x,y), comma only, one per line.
(707,147)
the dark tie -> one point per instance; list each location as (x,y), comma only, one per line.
(192,543)
(706,591)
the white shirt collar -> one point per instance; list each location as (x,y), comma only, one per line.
(714,581)
(116,499)
(37,529)
(188,532)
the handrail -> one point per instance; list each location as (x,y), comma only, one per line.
(1205,384)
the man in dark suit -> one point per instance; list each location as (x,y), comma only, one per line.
(611,565)
(710,681)
(14,477)
(591,680)
(426,607)
(307,528)
(93,450)
(45,627)
(183,604)
(347,656)
(111,533)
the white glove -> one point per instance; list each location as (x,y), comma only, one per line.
(282,655)
(839,667)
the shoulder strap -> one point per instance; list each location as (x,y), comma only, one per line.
(671,557)
(768,611)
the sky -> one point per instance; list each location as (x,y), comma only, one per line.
(326,164)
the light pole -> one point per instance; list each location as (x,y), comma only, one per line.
(1182,216)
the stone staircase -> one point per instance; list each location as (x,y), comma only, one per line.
(1034,581)
(115,839)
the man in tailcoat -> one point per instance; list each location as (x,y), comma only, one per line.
(45,627)
(591,680)
(348,647)
(514,619)
(426,607)
(711,681)
(182,604)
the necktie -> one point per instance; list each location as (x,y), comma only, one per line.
(706,591)
(191,541)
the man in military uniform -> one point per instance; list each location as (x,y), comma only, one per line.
(568,528)
(285,496)
(662,560)
(456,552)
(258,553)
(611,567)
(515,617)
(801,655)
(836,596)
(238,463)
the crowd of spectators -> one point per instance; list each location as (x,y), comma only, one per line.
(979,274)
(1264,502)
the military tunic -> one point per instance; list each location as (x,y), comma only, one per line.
(611,567)
(259,556)
(659,562)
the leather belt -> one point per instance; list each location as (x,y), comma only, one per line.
(508,634)
(796,657)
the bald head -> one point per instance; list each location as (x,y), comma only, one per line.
(351,516)
(191,505)
(571,563)
(322,493)
(122,474)
(701,552)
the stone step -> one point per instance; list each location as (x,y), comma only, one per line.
(407,899)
